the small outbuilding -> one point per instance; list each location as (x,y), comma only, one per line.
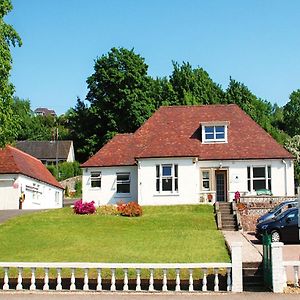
(25,183)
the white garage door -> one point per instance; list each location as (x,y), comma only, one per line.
(8,196)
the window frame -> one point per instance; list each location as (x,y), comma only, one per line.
(122,182)
(267,177)
(205,180)
(96,179)
(159,178)
(214,132)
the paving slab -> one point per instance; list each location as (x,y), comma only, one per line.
(249,252)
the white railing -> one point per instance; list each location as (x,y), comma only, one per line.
(123,269)
(292,266)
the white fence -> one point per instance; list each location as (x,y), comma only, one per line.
(280,269)
(232,271)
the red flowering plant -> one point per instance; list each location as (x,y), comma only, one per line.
(130,209)
(84,208)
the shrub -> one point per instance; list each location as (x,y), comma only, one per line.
(108,210)
(84,208)
(130,209)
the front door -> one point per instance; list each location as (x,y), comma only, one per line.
(221,185)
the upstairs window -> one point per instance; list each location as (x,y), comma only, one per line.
(123,183)
(214,133)
(96,179)
(167,178)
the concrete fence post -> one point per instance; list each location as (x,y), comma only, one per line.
(277,267)
(237,267)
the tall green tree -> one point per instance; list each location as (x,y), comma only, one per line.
(259,110)
(84,130)
(8,37)
(291,114)
(194,86)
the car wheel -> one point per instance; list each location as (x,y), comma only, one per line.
(275,236)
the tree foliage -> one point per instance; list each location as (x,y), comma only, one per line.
(194,86)
(293,146)
(8,37)
(291,114)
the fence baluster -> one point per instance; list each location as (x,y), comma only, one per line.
(204,281)
(228,279)
(151,281)
(6,279)
(99,280)
(58,286)
(46,280)
(32,286)
(165,281)
(296,278)
(86,280)
(125,287)
(19,285)
(216,287)
(73,285)
(191,280)
(113,280)
(177,288)
(138,280)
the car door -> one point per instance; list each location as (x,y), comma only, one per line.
(289,228)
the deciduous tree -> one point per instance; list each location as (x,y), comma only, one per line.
(8,37)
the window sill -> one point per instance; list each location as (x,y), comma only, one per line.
(124,196)
(165,194)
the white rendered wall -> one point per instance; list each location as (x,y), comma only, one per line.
(188,182)
(107,193)
(237,175)
(11,187)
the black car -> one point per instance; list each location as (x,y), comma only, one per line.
(283,228)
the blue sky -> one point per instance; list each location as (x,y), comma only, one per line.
(256,42)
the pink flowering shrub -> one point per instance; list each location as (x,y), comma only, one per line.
(237,196)
(84,208)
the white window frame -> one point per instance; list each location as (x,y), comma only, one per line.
(267,178)
(96,179)
(160,177)
(215,139)
(123,182)
(206,180)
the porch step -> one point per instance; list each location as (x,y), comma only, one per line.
(253,277)
(228,219)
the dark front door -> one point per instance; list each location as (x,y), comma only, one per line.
(221,185)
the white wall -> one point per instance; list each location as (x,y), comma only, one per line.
(188,182)
(106,194)
(71,155)
(38,195)
(237,175)
(143,181)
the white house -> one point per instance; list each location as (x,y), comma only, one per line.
(25,183)
(189,155)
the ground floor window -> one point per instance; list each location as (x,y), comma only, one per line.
(259,177)
(96,179)
(123,183)
(167,178)
(206,185)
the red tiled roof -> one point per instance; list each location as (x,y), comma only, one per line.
(174,131)
(14,161)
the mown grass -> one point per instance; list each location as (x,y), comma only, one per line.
(185,233)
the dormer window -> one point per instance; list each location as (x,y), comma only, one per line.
(214,133)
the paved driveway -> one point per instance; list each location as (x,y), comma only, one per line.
(10,213)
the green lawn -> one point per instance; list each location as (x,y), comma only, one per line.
(163,234)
